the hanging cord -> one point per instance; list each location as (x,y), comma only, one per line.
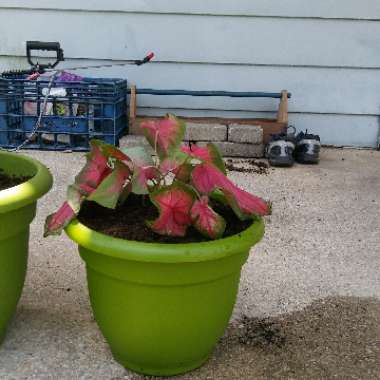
(137,62)
(42,112)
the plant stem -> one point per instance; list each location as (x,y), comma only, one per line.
(155,148)
(196,192)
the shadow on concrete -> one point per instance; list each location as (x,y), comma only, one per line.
(334,338)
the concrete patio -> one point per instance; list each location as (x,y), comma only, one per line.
(309,302)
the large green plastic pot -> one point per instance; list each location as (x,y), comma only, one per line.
(162,307)
(17,210)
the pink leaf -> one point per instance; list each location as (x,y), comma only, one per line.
(141,176)
(168,165)
(96,181)
(164,135)
(197,152)
(209,155)
(206,220)
(56,222)
(245,204)
(174,203)
(173,162)
(95,170)
(206,179)
(108,192)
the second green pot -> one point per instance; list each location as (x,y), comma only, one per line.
(163,307)
(17,210)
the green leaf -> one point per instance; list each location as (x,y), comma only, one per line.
(125,193)
(75,197)
(139,156)
(109,191)
(171,163)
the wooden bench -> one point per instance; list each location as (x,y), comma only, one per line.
(270,126)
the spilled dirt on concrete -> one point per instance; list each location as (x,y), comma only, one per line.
(334,338)
(247,166)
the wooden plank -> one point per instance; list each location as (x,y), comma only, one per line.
(364,9)
(206,39)
(132,107)
(282,115)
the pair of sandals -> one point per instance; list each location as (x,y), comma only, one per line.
(286,148)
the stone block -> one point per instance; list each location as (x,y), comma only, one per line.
(249,134)
(206,132)
(230,149)
(131,141)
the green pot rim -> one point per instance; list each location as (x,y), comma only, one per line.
(164,252)
(29,191)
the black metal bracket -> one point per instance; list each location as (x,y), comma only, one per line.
(45,46)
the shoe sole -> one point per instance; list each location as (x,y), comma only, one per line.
(308,159)
(281,162)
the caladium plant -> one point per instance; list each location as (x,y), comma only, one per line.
(182,182)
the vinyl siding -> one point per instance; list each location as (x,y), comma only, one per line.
(326,53)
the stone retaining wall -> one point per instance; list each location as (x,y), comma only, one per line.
(233,140)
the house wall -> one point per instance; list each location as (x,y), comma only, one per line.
(327,53)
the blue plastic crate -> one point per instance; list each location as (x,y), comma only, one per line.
(80,111)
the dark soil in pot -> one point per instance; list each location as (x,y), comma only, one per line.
(128,221)
(7,181)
